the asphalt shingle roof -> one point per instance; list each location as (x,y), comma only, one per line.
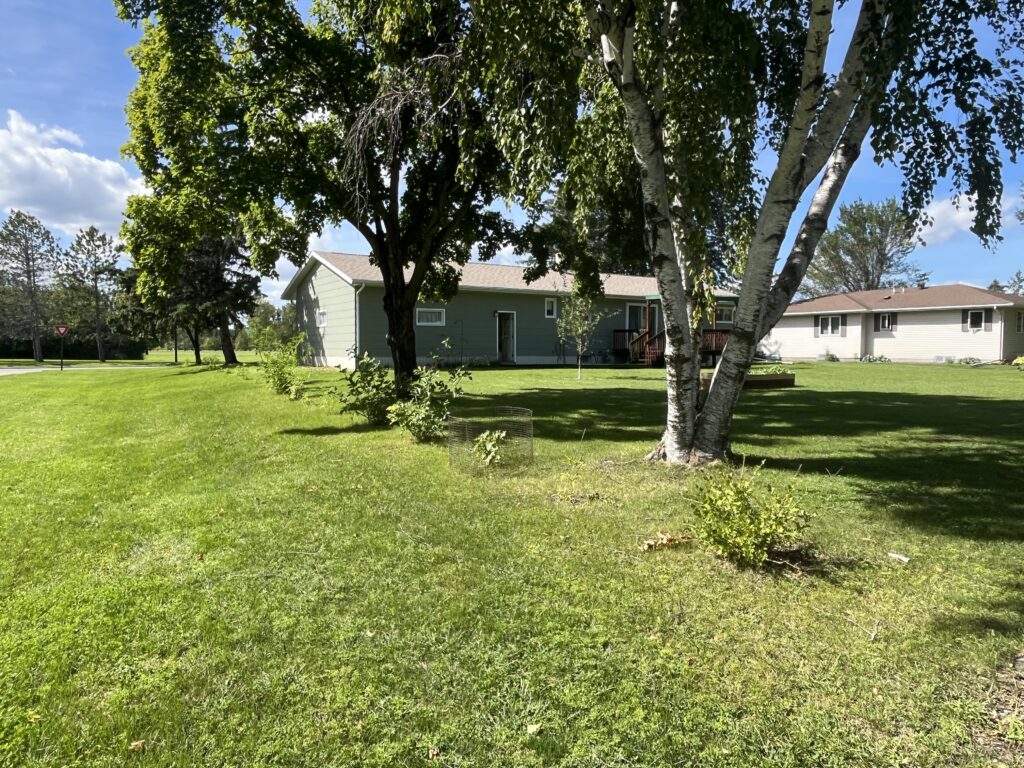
(497,277)
(889,299)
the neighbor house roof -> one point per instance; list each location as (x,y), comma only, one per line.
(357,270)
(905,300)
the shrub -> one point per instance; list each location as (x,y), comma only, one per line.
(279,364)
(770,370)
(744,519)
(968,361)
(487,447)
(370,390)
(831,357)
(425,413)
(875,359)
(1019,362)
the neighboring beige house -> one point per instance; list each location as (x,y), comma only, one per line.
(922,324)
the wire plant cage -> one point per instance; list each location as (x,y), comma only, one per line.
(490,440)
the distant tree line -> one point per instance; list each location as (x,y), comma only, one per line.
(1013,285)
(42,283)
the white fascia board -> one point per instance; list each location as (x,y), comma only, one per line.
(289,290)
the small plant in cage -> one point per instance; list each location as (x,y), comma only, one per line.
(488,446)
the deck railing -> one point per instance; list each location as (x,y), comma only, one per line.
(642,346)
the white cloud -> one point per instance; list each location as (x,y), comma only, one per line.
(507,256)
(65,188)
(950,218)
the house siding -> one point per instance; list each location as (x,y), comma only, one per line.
(323,291)
(793,338)
(1013,342)
(919,336)
(472,328)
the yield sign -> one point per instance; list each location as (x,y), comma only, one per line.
(62,329)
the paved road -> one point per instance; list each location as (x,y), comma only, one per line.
(15,370)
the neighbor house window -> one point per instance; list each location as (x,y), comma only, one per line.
(976,319)
(885,322)
(551,308)
(828,325)
(1020,322)
(321,319)
(725,314)
(429,317)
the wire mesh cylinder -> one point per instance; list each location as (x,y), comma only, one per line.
(492,439)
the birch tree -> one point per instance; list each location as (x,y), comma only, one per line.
(29,254)
(696,90)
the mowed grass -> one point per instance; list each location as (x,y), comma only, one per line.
(219,576)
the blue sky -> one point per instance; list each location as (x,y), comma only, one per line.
(65,76)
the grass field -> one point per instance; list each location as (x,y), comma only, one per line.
(194,571)
(155,357)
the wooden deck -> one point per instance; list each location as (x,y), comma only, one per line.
(648,348)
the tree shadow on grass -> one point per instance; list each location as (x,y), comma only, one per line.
(326,430)
(1003,617)
(946,464)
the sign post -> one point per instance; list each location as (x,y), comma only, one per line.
(62,331)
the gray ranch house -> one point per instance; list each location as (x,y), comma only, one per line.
(496,316)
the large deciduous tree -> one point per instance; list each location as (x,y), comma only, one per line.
(869,248)
(358,111)
(29,255)
(696,90)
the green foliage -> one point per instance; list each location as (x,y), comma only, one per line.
(769,370)
(744,518)
(577,320)
(369,390)
(487,447)
(1019,362)
(831,357)
(875,359)
(279,366)
(425,414)
(968,361)
(869,248)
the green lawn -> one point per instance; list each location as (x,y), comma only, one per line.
(236,579)
(155,357)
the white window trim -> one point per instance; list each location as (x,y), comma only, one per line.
(825,325)
(551,303)
(1020,322)
(732,314)
(885,321)
(321,319)
(970,322)
(430,309)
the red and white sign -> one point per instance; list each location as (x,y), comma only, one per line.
(62,329)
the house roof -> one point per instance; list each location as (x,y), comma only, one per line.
(357,270)
(953,296)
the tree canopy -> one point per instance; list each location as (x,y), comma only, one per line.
(869,248)
(360,112)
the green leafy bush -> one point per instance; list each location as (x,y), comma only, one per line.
(875,359)
(770,370)
(831,357)
(1019,362)
(744,518)
(487,447)
(968,361)
(279,365)
(425,413)
(369,391)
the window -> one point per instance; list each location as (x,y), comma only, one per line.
(551,308)
(829,325)
(885,322)
(429,316)
(725,314)
(321,319)
(1020,322)
(976,319)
